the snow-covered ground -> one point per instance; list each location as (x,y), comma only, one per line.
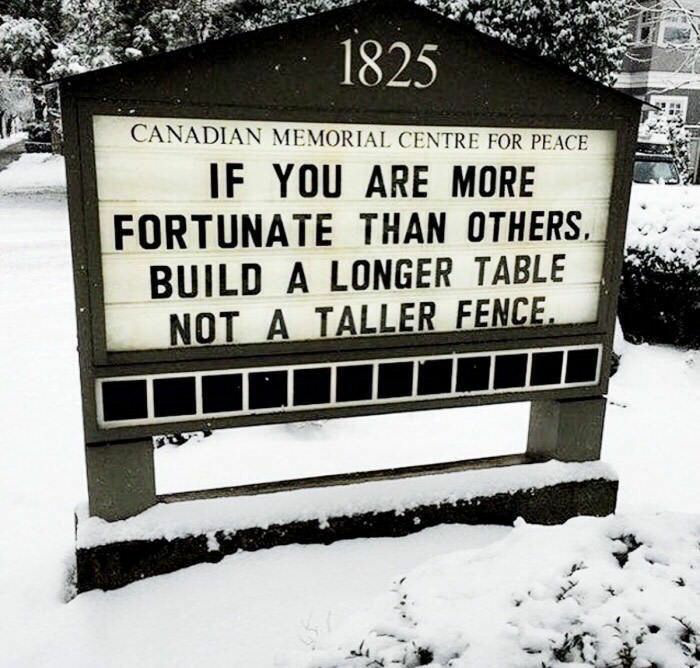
(253,607)
(12,139)
(616,592)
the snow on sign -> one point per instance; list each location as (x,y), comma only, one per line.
(370,210)
(225,232)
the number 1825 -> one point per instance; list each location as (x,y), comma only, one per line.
(370,72)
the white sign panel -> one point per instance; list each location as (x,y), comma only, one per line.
(234,232)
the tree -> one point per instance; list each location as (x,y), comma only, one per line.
(25,47)
(89,30)
(45,39)
(590,38)
(49,12)
(25,51)
(15,103)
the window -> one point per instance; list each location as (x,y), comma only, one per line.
(645,27)
(655,171)
(671,105)
(675,30)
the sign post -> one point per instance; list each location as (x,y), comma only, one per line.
(369,211)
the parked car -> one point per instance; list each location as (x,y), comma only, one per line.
(38,138)
(653,163)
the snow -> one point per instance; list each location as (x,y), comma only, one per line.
(328,447)
(651,434)
(253,607)
(591,593)
(12,139)
(33,172)
(196,517)
(664,219)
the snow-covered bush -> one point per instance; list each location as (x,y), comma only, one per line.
(596,593)
(25,45)
(660,294)
(590,38)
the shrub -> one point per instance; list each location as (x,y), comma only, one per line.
(660,300)
(660,293)
(615,592)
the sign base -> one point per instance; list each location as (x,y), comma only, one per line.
(168,537)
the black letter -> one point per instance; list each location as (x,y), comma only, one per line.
(254,271)
(182,329)
(231,178)
(277,326)
(526,181)
(297,279)
(463,183)
(323,311)
(283,177)
(119,231)
(161,281)
(228,317)
(214,180)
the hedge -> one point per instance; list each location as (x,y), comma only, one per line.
(660,293)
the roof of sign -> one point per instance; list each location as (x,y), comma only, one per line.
(300,63)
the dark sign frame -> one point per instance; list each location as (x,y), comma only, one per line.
(88,95)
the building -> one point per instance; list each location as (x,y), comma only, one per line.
(662,67)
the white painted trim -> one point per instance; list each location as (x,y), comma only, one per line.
(638,41)
(668,21)
(658,100)
(659,80)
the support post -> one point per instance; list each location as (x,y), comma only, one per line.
(570,430)
(121,478)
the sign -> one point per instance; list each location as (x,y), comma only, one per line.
(372,210)
(227,232)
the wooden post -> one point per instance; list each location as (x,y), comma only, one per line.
(121,478)
(570,430)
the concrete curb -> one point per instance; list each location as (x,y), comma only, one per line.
(117,564)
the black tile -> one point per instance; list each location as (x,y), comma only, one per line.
(267,389)
(353,383)
(473,374)
(174,396)
(546,368)
(312,386)
(582,365)
(222,393)
(395,380)
(124,400)
(510,371)
(434,376)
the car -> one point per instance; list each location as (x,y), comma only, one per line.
(38,138)
(653,163)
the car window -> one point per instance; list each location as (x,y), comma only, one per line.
(652,171)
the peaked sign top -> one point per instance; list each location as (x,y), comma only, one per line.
(295,65)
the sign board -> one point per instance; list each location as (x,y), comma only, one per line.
(230,232)
(370,211)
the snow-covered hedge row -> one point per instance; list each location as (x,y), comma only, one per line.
(665,220)
(660,296)
(619,592)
